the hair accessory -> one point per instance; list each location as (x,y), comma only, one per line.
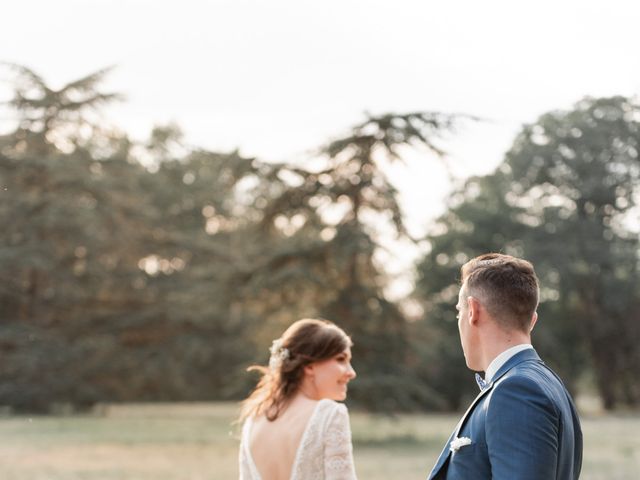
(278,355)
(489,262)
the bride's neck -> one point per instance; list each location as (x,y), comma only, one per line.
(307,391)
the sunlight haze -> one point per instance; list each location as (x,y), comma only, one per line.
(278,79)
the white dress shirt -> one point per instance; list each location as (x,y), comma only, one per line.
(501,359)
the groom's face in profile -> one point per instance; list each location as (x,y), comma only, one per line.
(467,333)
(463,320)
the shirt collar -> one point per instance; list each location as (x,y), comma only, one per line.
(501,359)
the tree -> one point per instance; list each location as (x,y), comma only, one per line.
(318,251)
(577,174)
(50,119)
(563,198)
(478,220)
(65,216)
(153,271)
(96,294)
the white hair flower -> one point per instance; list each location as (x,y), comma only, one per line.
(278,355)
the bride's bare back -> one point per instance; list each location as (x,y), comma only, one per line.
(322,451)
(274,444)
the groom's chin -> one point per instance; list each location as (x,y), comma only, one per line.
(469,365)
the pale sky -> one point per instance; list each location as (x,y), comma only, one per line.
(277,78)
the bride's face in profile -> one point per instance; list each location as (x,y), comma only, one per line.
(329,378)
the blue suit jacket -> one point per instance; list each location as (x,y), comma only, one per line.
(522,426)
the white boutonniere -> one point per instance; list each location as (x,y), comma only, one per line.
(458,443)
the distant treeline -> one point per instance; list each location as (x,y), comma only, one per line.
(144,271)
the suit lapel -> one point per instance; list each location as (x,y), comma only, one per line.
(446,451)
(528,354)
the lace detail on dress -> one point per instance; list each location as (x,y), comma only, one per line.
(338,454)
(324,453)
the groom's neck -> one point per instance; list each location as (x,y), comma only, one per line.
(496,340)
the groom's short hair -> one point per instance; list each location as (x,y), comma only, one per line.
(507,286)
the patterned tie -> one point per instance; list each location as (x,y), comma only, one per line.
(480,381)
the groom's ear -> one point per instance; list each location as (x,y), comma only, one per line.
(534,319)
(474,310)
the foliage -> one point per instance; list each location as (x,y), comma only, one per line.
(98,302)
(157,271)
(318,248)
(153,271)
(564,198)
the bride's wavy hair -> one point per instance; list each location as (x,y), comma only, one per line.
(304,342)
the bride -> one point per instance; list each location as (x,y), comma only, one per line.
(293,427)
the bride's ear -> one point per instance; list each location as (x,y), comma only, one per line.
(309,370)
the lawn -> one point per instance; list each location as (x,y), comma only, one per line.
(198,442)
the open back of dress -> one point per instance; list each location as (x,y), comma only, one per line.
(324,452)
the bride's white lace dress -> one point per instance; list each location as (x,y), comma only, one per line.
(324,453)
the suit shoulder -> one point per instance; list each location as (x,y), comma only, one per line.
(530,383)
(527,373)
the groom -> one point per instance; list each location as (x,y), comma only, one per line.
(523,424)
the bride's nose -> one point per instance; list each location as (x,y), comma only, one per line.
(351,372)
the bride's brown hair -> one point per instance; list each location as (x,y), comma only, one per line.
(304,342)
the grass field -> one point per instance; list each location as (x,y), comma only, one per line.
(198,442)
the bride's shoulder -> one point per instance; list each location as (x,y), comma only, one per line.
(328,401)
(329,406)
